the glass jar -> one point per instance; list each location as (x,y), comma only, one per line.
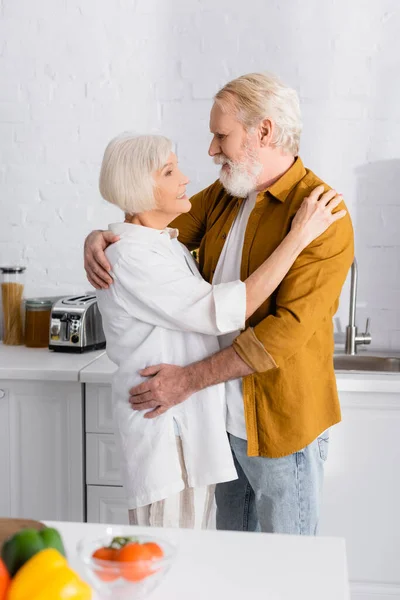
(37,322)
(12,289)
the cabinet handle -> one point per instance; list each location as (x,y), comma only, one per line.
(2,393)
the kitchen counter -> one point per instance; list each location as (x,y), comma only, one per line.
(19,362)
(99,371)
(102,370)
(237,565)
(369,381)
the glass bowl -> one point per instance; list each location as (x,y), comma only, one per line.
(135,579)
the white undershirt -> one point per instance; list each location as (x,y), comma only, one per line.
(228,269)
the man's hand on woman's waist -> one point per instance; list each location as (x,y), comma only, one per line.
(169,385)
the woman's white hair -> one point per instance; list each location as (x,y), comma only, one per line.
(258,96)
(127,170)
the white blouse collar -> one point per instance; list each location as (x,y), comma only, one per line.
(130,229)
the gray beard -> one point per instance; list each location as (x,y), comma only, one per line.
(240,183)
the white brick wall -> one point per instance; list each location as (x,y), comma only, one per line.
(75,72)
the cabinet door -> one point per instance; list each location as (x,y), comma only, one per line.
(44,479)
(107,505)
(99,416)
(5,496)
(362,490)
(102,459)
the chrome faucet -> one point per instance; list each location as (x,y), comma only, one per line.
(353,338)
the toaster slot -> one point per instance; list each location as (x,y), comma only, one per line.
(77,300)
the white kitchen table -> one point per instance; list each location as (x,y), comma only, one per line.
(234,565)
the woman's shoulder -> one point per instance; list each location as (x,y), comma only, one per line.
(140,253)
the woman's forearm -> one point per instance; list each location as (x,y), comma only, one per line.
(264,281)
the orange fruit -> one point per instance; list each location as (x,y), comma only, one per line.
(106,553)
(104,571)
(135,561)
(4,580)
(156,551)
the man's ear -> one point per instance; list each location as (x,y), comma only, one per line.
(266,132)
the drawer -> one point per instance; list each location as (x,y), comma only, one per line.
(107,505)
(102,459)
(99,415)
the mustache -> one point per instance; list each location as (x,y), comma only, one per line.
(221,159)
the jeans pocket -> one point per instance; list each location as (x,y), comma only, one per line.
(323,445)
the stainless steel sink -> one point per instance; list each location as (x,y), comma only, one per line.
(374,364)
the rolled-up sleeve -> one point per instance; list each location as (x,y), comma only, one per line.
(230,305)
(309,294)
(157,289)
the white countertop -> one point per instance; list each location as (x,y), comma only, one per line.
(368,382)
(102,370)
(99,371)
(19,362)
(238,565)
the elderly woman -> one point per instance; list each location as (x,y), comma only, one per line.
(160,309)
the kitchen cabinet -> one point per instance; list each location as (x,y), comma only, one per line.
(106,501)
(5,451)
(102,460)
(106,504)
(41,450)
(362,488)
(42,433)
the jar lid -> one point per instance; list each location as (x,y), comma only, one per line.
(38,304)
(12,269)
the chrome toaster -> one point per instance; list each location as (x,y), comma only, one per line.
(76,325)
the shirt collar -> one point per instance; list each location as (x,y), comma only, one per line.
(130,229)
(284,185)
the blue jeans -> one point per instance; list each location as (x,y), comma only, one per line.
(274,495)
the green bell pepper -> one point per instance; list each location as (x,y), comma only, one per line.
(19,548)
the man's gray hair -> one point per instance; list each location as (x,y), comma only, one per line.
(258,96)
(127,170)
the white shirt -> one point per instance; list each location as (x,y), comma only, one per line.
(228,269)
(160,310)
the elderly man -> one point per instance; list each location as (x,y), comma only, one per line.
(280,384)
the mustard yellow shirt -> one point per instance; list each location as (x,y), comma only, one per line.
(292,397)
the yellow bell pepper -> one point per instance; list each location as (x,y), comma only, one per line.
(47,576)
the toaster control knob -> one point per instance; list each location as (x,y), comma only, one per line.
(74,339)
